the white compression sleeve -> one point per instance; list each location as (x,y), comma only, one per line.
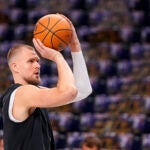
(82,80)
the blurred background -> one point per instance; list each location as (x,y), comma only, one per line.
(115,39)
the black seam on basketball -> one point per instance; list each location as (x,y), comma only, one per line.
(49,30)
(42,30)
(46,27)
(55,23)
(59,30)
(58,36)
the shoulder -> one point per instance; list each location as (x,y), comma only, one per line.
(7,93)
(28,91)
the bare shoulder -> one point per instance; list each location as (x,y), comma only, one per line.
(27,91)
(26,94)
(30,91)
(24,101)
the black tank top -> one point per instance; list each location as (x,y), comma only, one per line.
(35,133)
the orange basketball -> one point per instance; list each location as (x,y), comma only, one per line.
(54,31)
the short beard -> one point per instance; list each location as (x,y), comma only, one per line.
(33,82)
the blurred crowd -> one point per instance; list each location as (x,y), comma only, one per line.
(115,39)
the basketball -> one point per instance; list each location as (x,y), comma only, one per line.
(54,31)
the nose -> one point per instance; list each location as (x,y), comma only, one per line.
(37,65)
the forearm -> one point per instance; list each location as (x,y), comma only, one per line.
(82,80)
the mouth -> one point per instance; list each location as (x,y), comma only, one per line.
(37,73)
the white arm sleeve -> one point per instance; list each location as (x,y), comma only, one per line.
(82,80)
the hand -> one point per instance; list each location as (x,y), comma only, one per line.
(44,51)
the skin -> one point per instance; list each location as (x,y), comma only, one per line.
(25,67)
(1,144)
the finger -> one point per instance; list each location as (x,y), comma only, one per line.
(41,45)
(33,40)
(37,46)
(35,43)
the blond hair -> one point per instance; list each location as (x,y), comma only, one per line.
(15,50)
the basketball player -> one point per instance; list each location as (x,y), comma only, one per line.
(26,122)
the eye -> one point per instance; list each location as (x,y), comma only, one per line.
(38,61)
(31,60)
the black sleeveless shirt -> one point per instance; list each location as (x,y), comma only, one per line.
(34,133)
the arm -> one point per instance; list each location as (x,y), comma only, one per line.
(80,72)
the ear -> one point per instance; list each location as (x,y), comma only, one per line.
(14,67)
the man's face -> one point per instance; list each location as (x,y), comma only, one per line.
(28,67)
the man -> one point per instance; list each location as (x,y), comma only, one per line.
(91,143)
(26,122)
